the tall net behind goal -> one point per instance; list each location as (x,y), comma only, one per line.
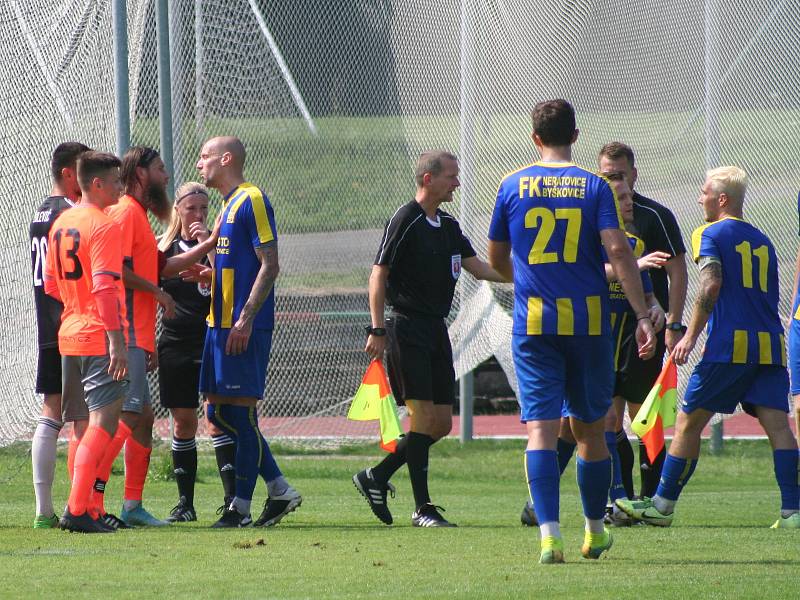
(55,85)
(335,100)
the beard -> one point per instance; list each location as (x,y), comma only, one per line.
(159,203)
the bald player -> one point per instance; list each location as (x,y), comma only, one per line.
(240,323)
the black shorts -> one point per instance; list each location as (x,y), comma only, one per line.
(420,359)
(635,377)
(179,374)
(48,371)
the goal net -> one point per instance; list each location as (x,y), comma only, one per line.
(335,100)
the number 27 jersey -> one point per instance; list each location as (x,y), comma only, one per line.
(84,242)
(552,214)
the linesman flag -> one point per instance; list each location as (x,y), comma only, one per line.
(658,411)
(374,400)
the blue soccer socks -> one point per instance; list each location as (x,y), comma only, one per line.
(674,477)
(544,477)
(594,481)
(617,490)
(786,464)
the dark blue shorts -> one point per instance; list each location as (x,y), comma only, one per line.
(794,351)
(576,371)
(720,387)
(243,375)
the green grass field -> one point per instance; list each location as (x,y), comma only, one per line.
(332,547)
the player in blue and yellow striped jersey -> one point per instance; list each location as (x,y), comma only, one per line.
(240,324)
(794,338)
(621,313)
(744,360)
(553,216)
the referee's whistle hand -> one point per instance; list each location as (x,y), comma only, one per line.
(375,347)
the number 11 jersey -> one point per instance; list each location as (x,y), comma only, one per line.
(552,214)
(84,242)
(744,326)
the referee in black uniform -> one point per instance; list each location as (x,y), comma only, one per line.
(655,224)
(416,269)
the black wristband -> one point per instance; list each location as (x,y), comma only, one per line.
(376,331)
(676,326)
(642,318)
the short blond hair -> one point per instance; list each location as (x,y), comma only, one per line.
(731,181)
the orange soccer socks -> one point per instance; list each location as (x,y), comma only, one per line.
(72,448)
(96,505)
(137,461)
(87,457)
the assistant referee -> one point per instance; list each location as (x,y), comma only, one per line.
(416,270)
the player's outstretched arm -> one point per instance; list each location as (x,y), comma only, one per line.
(265,280)
(710,285)
(184,260)
(621,258)
(133,281)
(499,255)
(654,260)
(376,344)
(482,270)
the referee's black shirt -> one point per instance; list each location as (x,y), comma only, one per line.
(657,227)
(192,301)
(424,261)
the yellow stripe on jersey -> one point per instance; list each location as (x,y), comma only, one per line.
(566,318)
(210,318)
(226,317)
(764,348)
(265,233)
(797,312)
(594,315)
(235,203)
(739,347)
(619,339)
(697,235)
(638,247)
(534,326)
(783,349)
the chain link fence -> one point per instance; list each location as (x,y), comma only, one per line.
(335,100)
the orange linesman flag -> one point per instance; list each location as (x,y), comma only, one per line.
(374,400)
(658,411)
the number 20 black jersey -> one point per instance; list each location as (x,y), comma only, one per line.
(48,310)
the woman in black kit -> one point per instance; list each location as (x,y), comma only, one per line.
(180,347)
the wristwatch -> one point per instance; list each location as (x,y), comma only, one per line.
(376,331)
(676,326)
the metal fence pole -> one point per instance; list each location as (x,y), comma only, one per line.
(712,131)
(467,172)
(466,392)
(119,17)
(164,91)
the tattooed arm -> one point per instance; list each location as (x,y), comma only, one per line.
(265,279)
(710,284)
